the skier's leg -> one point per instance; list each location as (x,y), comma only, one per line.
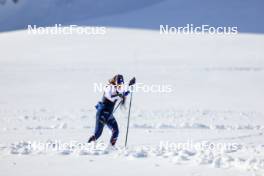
(99,126)
(112,124)
(98,129)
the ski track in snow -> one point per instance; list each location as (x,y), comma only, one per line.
(217,159)
(41,121)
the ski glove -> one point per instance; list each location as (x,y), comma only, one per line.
(99,106)
(122,95)
(126,93)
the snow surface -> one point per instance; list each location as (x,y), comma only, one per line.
(146,14)
(46,96)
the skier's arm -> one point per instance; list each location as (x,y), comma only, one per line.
(123,94)
(112,94)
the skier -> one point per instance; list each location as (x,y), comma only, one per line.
(113,92)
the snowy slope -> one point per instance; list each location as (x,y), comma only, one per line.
(48,12)
(58,68)
(47,94)
(146,14)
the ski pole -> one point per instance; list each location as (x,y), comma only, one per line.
(128,116)
(116,107)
